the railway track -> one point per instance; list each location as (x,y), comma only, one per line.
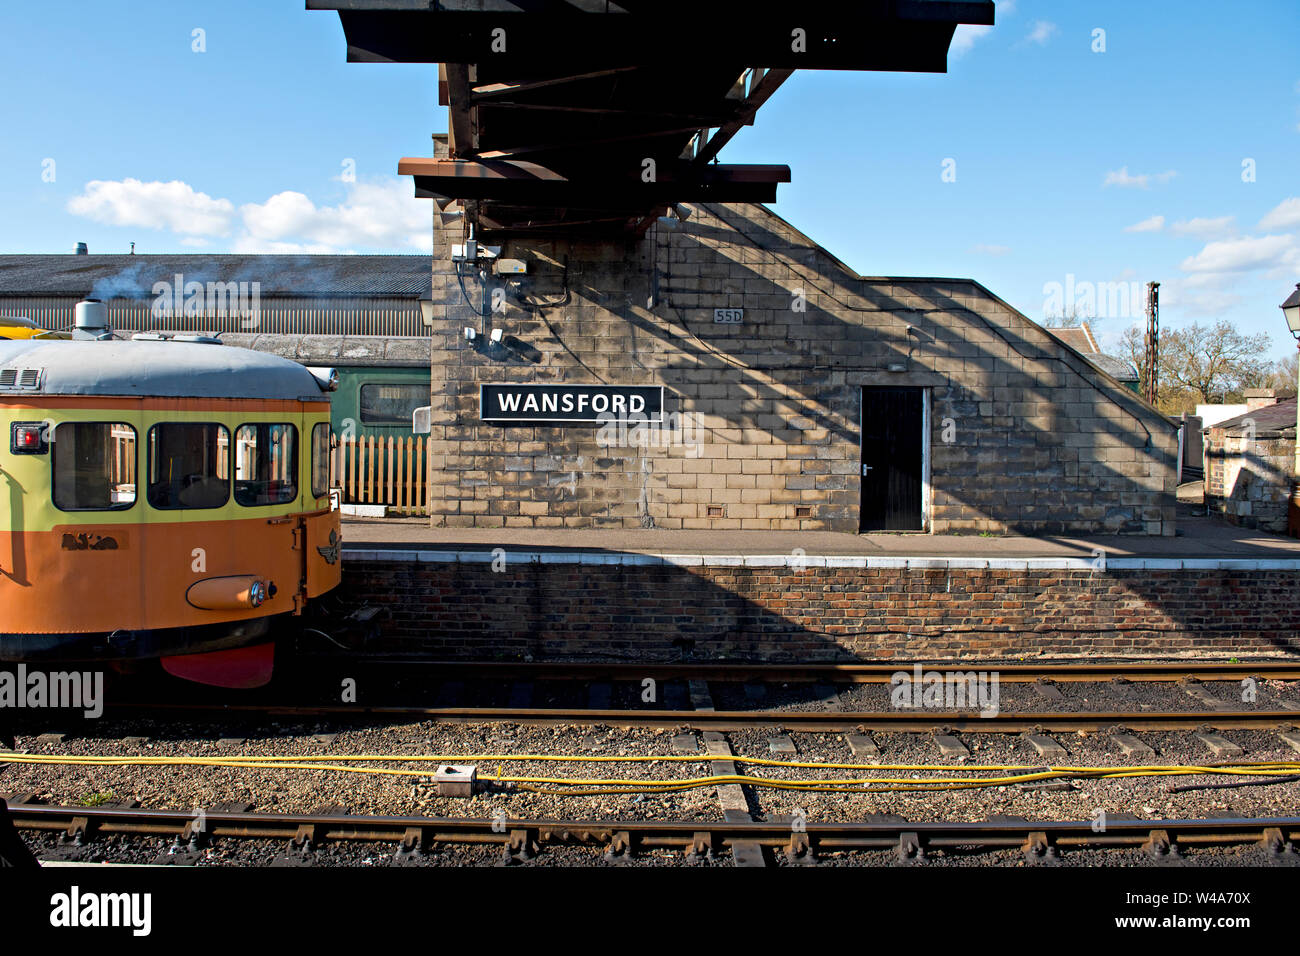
(815,721)
(510,690)
(521,838)
(875,673)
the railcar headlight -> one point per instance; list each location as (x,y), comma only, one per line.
(235,592)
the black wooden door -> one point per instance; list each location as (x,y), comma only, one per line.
(891,459)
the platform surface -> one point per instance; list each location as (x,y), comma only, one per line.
(1199,538)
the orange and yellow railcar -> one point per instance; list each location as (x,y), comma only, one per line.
(160,499)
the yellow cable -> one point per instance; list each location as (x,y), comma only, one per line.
(598,785)
(140,760)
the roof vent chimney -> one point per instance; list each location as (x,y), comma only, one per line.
(1260,398)
(91,320)
(83,249)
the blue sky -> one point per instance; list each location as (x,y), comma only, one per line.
(1069,165)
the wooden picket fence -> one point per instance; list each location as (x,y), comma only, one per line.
(382,471)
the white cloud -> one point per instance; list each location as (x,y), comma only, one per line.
(374,214)
(964,37)
(154,205)
(1122,177)
(1286,215)
(1152,224)
(1009,6)
(1244,254)
(1203,228)
(1199,298)
(248,246)
(383,214)
(1041,32)
(990,250)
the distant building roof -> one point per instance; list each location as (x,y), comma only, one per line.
(1117,368)
(1271,421)
(133,277)
(1080,338)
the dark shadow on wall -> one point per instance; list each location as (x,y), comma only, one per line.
(1018,460)
(544,610)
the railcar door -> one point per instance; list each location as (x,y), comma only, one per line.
(320,532)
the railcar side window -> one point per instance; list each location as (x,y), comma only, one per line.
(266,464)
(189,466)
(320,460)
(391,404)
(94,466)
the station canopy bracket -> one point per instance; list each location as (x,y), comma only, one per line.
(590,118)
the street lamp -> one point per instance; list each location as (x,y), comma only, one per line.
(1291,309)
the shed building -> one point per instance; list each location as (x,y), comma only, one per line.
(1250,467)
(280,294)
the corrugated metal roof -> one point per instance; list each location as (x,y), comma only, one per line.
(157,370)
(133,277)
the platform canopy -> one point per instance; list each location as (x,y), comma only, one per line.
(591,118)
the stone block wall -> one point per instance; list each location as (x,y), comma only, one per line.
(1249,480)
(765,415)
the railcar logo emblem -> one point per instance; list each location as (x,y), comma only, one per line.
(331,552)
(89,542)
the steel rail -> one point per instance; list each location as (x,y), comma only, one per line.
(874,673)
(413,832)
(821,720)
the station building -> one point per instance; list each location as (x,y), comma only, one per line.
(784,391)
(626,336)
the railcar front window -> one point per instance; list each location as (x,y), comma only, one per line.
(320,460)
(94,466)
(266,464)
(391,404)
(189,466)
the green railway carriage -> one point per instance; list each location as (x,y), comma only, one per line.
(382,379)
(379,401)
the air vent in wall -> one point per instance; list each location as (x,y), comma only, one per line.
(20,378)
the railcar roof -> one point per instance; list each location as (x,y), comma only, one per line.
(155,369)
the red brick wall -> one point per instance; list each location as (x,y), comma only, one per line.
(549,611)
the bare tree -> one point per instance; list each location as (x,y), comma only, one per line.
(1070,318)
(1215,361)
(1284,375)
(1201,364)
